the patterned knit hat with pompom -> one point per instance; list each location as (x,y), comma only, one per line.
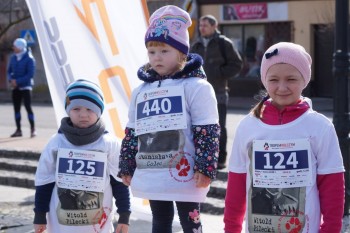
(169,25)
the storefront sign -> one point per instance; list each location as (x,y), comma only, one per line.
(246,11)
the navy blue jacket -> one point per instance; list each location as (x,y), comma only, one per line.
(23,70)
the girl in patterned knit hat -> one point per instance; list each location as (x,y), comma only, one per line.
(286,168)
(170,149)
(76,178)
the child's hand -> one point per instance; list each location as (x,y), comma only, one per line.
(126,180)
(122,228)
(201,180)
(39,228)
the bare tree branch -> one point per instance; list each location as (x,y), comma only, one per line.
(8,26)
(13,12)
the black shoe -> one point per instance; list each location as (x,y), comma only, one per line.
(18,133)
(33,133)
(221,166)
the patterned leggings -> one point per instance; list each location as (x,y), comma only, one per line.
(163,215)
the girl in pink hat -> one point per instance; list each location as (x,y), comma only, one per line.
(170,149)
(286,168)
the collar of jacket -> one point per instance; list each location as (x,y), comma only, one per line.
(272,116)
(193,68)
(216,35)
(21,54)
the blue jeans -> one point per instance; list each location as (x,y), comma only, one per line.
(163,215)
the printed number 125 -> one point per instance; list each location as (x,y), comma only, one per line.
(82,170)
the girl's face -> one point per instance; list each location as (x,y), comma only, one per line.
(165,60)
(284,84)
(82,117)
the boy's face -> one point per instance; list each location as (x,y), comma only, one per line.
(165,60)
(82,117)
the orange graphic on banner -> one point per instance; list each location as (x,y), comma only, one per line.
(113,113)
(87,17)
(89,21)
(145,11)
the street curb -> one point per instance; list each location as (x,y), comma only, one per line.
(18,175)
(31,155)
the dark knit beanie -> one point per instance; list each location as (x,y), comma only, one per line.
(84,93)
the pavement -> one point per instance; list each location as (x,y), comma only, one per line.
(16,204)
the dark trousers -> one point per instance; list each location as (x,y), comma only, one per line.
(222,109)
(163,215)
(17,96)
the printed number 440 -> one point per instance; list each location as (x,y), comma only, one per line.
(291,160)
(164,106)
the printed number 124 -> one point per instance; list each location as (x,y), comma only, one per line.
(280,164)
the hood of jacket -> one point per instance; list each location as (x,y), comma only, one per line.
(193,68)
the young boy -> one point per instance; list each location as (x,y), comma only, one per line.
(76,178)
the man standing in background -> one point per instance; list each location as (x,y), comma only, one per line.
(221,62)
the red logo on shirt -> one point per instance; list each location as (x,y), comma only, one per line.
(180,167)
(183,166)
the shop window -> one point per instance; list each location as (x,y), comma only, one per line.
(251,40)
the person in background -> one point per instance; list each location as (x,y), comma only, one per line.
(283,144)
(20,72)
(170,149)
(76,178)
(221,62)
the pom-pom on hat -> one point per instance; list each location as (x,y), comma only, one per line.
(289,53)
(20,44)
(169,25)
(84,93)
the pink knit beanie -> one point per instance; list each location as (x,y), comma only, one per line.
(169,24)
(289,53)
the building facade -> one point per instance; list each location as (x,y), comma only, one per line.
(252,26)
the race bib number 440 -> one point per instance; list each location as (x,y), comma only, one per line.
(160,109)
(281,163)
(81,170)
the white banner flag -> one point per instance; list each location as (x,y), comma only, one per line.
(98,40)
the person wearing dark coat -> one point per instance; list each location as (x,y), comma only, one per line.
(221,62)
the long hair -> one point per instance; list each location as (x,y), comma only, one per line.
(257,109)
